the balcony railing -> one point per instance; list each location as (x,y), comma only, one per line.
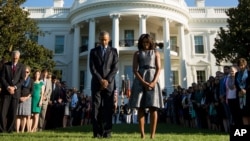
(63,12)
(130,43)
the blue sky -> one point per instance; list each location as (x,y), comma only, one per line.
(68,3)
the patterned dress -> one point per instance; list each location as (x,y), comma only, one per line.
(139,96)
(24,108)
(36,96)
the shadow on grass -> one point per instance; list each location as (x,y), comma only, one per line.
(162,128)
(120,132)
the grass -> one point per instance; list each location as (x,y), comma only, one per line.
(121,132)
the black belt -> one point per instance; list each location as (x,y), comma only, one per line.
(147,67)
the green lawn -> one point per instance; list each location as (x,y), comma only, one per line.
(121,132)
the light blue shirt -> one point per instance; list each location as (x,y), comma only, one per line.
(74,100)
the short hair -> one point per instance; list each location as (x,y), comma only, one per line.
(102,33)
(16,52)
(28,67)
(242,61)
(146,36)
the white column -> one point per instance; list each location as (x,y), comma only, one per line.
(115,30)
(115,41)
(167,56)
(182,53)
(91,44)
(75,62)
(142,28)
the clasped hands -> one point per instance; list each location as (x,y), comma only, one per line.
(242,92)
(11,90)
(24,98)
(104,84)
(149,86)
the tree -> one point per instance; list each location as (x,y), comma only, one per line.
(234,43)
(17,32)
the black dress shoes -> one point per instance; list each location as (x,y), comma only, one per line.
(107,136)
(97,136)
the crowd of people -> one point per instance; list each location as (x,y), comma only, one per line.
(219,103)
(32,100)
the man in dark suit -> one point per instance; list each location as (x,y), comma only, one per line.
(57,103)
(51,115)
(13,74)
(103,65)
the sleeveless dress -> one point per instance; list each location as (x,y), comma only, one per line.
(36,95)
(139,96)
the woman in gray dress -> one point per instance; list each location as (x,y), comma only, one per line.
(24,107)
(146,91)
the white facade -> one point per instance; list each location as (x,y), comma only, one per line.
(187,34)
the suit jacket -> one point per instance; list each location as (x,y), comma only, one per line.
(10,79)
(47,90)
(54,94)
(103,67)
(247,87)
(223,86)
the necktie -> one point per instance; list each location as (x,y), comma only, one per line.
(103,52)
(13,69)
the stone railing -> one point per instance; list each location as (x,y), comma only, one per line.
(54,12)
(38,12)
(214,12)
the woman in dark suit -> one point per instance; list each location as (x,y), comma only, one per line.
(103,65)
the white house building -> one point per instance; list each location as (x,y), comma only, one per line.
(184,35)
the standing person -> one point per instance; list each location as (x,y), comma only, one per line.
(57,106)
(13,74)
(103,67)
(73,104)
(242,82)
(2,62)
(24,107)
(146,91)
(36,102)
(46,97)
(231,96)
(226,115)
(223,81)
(52,113)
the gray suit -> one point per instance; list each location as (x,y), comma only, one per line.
(47,94)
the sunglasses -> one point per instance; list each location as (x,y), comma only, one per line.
(27,72)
